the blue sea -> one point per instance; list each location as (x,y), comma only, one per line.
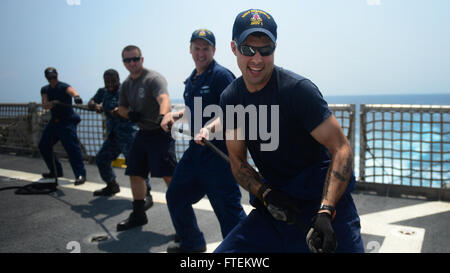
(427,168)
(427,99)
(432,99)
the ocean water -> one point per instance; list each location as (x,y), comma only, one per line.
(426,99)
(417,156)
(432,99)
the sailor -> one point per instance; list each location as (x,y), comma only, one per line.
(200,172)
(301,194)
(57,97)
(144,99)
(120,134)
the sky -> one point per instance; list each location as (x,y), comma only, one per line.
(346,47)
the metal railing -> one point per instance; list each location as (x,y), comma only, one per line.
(405,145)
(15,129)
(21,126)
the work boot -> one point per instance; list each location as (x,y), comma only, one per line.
(49,177)
(110,189)
(80,180)
(176,248)
(148,201)
(137,217)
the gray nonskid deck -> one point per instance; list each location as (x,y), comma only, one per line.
(68,219)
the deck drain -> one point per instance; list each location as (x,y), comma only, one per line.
(99,238)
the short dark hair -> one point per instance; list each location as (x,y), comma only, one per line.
(131,47)
(50,72)
(111,73)
(257,35)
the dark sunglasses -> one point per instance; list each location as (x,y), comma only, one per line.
(133,59)
(251,50)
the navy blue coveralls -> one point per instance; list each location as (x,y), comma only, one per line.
(62,126)
(297,167)
(120,134)
(201,172)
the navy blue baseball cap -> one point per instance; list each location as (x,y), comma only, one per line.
(204,34)
(50,71)
(251,21)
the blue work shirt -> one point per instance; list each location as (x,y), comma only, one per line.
(109,101)
(298,157)
(208,86)
(59,93)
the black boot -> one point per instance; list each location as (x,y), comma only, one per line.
(49,177)
(137,217)
(80,180)
(176,248)
(110,189)
(148,201)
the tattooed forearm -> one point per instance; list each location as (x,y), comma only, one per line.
(247,177)
(339,176)
(344,176)
(337,179)
(327,182)
(348,164)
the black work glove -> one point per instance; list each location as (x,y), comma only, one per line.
(134,116)
(281,206)
(91,106)
(321,237)
(77,100)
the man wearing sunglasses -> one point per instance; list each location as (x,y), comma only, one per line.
(301,194)
(201,172)
(62,126)
(144,99)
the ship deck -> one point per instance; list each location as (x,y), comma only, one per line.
(71,219)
